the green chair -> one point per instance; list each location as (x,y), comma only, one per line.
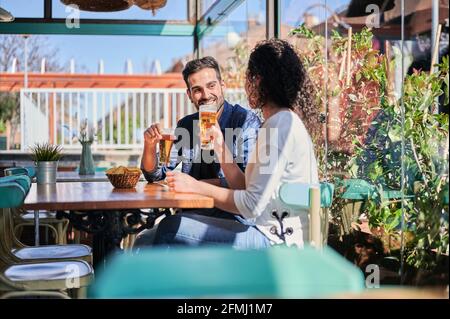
(315,200)
(222,272)
(12,250)
(47,219)
(356,194)
(29,276)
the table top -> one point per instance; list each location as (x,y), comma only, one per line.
(75,177)
(103,196)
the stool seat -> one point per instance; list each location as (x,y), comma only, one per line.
(42,215)
(48,271)
(53,252)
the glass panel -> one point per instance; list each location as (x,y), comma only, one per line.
(388,150)
(173,10)
(206,5)
(231,41)
(74,69)
(24,8)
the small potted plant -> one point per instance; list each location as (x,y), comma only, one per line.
(46,157)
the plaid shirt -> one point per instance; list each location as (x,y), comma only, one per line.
(187,148)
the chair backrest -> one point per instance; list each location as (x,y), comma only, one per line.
(314,198)
(223,272)
(12,196)
(23,180)
(357,189)
(30,171)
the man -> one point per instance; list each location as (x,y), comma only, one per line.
(204,86)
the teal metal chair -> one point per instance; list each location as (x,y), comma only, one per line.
(356,194)
(12,249)
(47,219)
(35,276)
(222,272)
(317,201)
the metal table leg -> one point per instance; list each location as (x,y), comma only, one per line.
(110,227)
(36,228)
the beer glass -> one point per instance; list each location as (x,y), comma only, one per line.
(208,118)
(165,146)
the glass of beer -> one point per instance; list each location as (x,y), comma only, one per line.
(208,118)
(165,146)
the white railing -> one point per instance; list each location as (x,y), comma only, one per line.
(56,115)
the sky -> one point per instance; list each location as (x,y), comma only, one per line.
(87,51)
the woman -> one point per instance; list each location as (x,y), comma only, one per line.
(276,84)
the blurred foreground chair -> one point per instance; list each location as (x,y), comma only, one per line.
(316,200)
(47,219)
(28,276)
(222,272)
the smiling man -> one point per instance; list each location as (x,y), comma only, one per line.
(204,86)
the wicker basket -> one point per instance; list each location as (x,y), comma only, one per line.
(127,180)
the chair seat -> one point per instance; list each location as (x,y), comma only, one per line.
(53,252)
(48,271)
(29,216)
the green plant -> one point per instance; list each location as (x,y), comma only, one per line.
(424,134)
(351,96)
(8,111)
(2,126)
(371,134)
(46,152)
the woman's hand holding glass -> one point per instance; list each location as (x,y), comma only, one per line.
(181,182)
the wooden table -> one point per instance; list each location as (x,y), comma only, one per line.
(70,176)
(109,214)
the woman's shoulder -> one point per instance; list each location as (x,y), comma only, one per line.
(285,120)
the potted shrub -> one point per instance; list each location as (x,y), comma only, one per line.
(367,138)
(425,163)
(46,157)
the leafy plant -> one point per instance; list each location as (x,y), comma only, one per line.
(371,134)
(351,94)
(2,126)
(8,110)
(425,163)
(46,152)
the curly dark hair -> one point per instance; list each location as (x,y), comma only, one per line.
(284,81)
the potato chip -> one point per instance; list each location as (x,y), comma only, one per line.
(123,170)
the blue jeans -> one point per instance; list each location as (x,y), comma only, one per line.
(192,229)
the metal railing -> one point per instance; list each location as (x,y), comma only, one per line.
(119,116)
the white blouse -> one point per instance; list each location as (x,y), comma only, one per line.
(284,153)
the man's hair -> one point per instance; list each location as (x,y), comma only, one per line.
(197,65)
